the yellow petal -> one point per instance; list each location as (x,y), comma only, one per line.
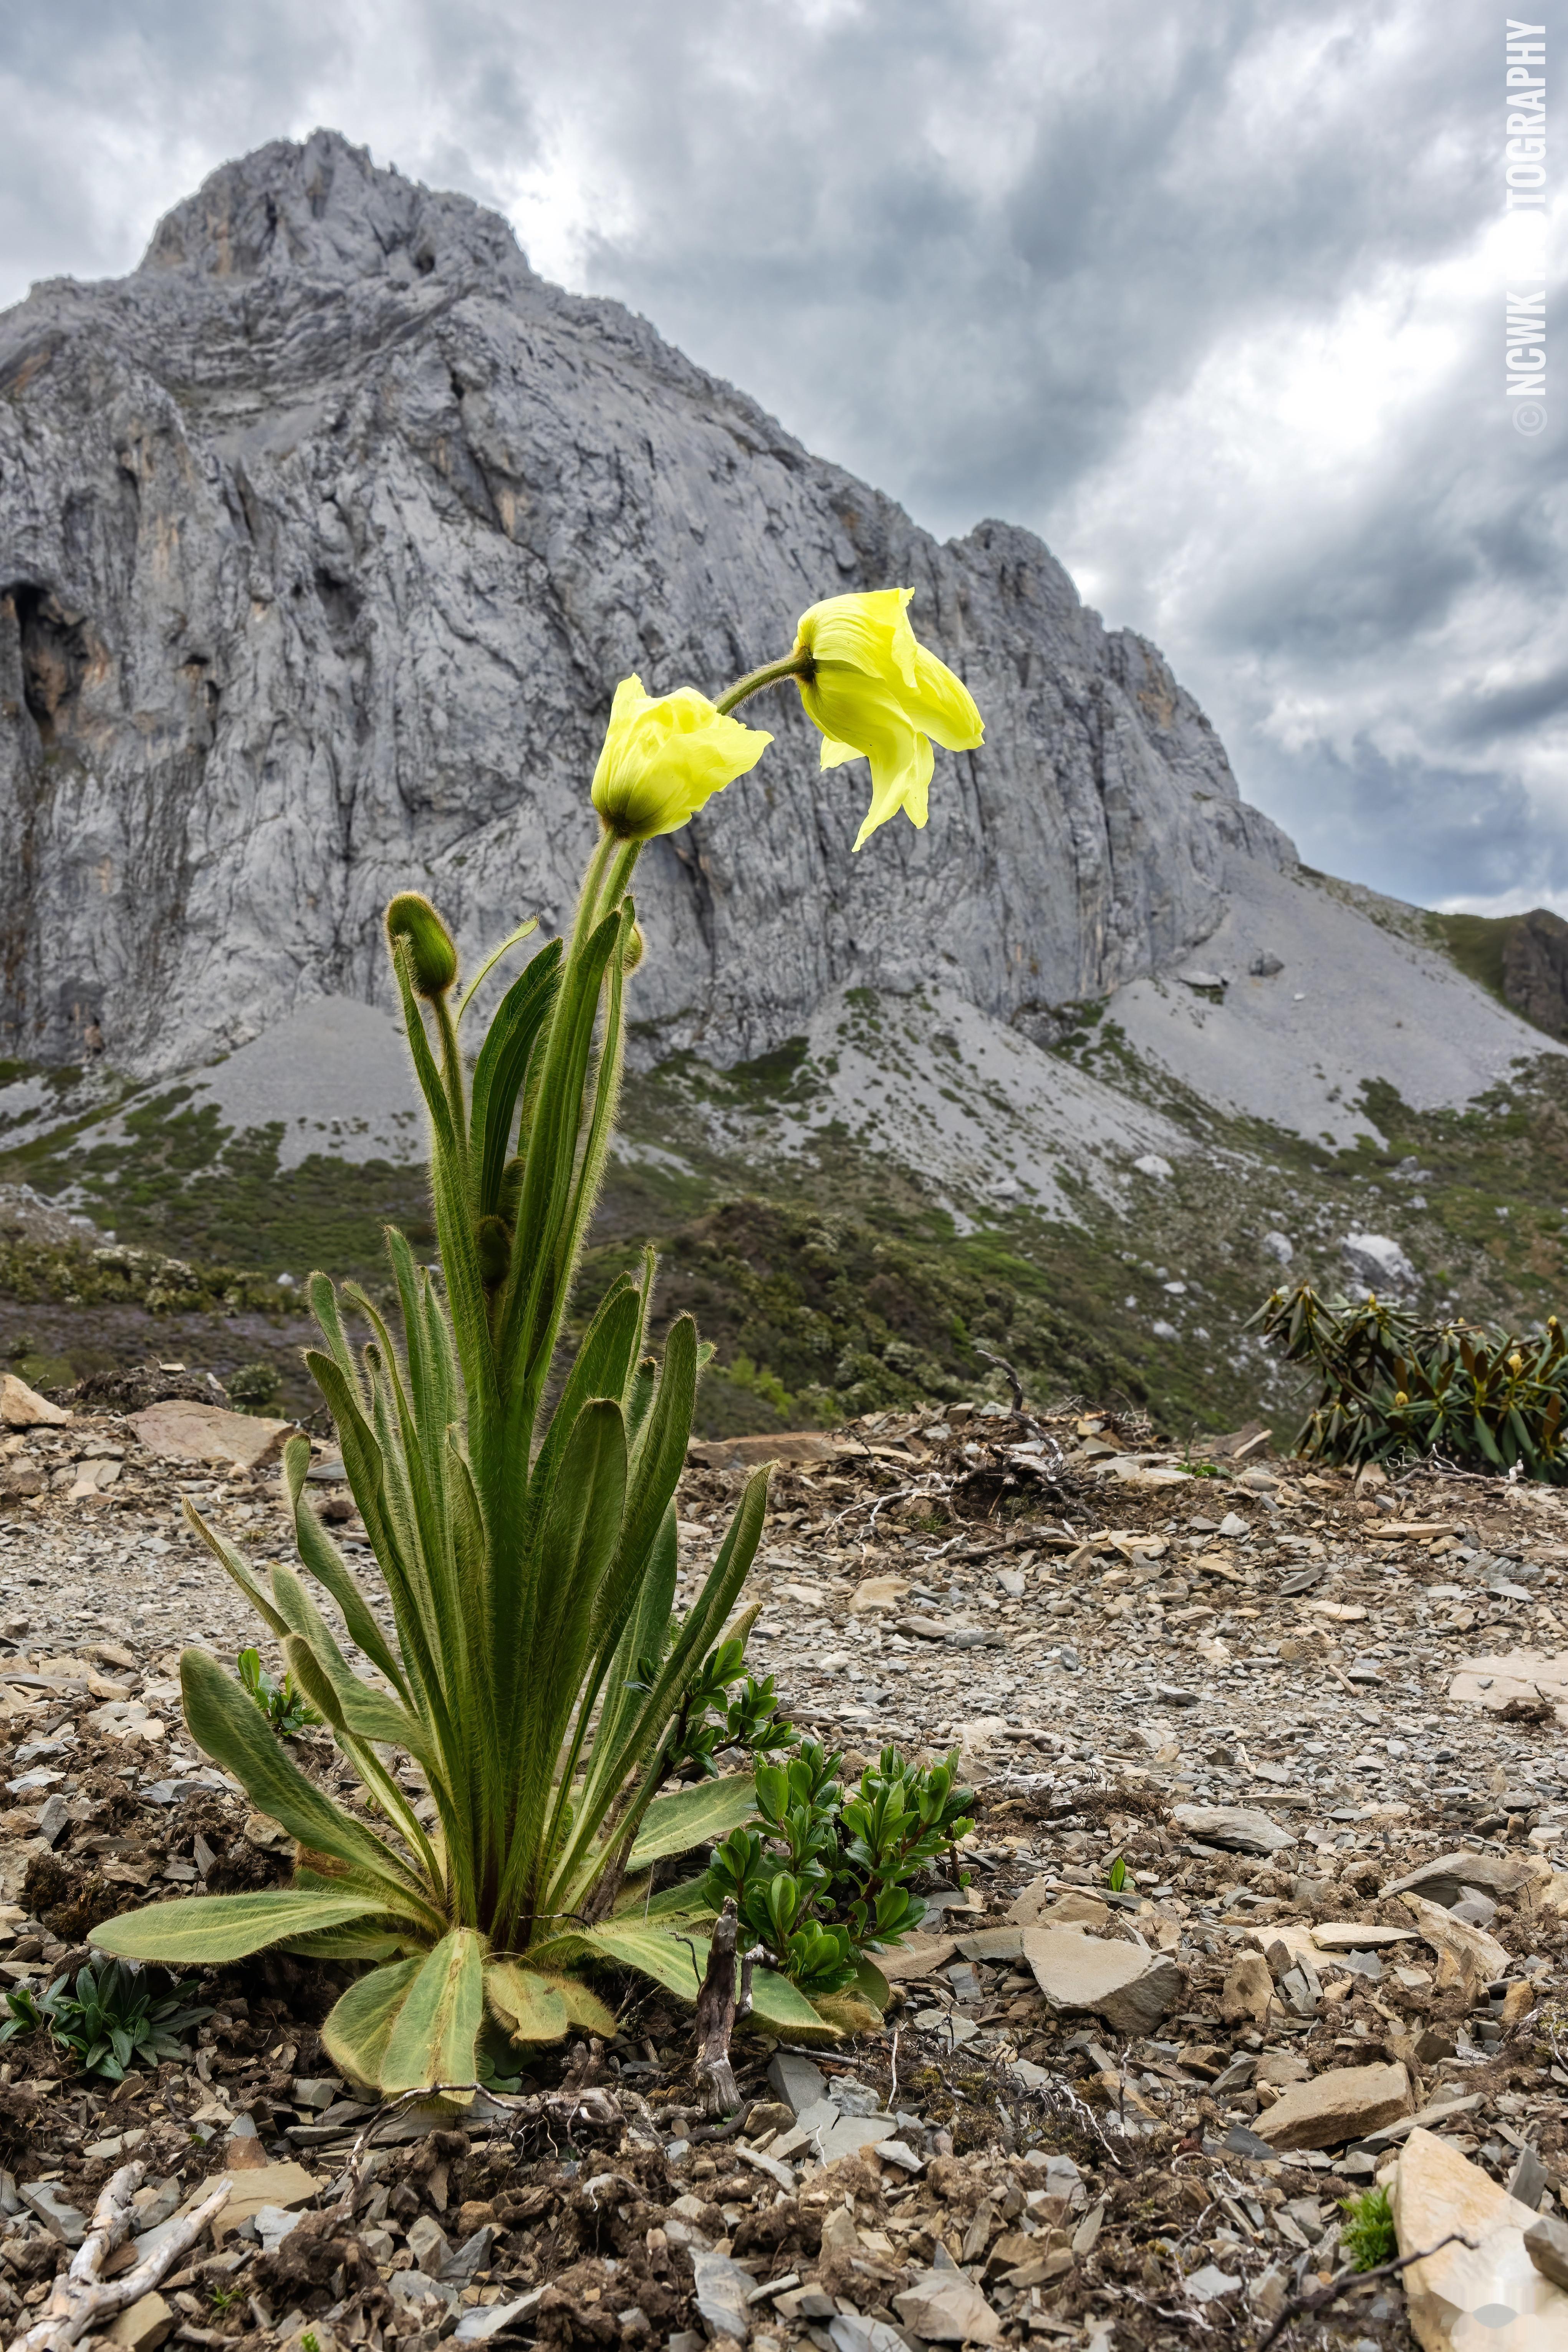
(904,785)
(943,705)
(835,754)
(664,757)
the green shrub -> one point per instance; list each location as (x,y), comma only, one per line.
(254,1388)
(1391,1385)
(827,1879)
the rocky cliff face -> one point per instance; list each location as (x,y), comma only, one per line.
(324,539)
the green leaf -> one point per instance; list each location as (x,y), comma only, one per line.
(213,1928)
(781,2008)
(672,1960)
(687,1901)
(355,2035)
(700,1815)
(349,1943)
(227,1726)
(871,1984)
(436,2028)
(528,2006)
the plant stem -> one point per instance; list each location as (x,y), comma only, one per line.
(794,665)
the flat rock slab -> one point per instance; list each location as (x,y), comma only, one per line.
(723,2289)
(1349,1935)
(878,1592)
(916,1958)
(23,1408)
(946,2308)
(1346,2103)
(1447,1878)
(1522,1674)
(1131,1988)
(286,2185)
(144,2326)
(1240,1829)
(791,1446)
(1488,2293)
(1464,1951)
(182,1432)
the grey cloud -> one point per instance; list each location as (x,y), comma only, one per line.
(983,256)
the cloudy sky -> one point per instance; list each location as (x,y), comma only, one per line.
(1210,292)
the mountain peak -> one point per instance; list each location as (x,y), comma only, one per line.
(320,209)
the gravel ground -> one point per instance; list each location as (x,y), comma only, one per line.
(1110,1642)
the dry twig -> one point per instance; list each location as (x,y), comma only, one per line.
(80,2299)
(1304,2306)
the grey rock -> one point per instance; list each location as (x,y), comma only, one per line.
(1546,2243)
(1280,1246)
(852,2333)
(796,2081)
(273,2224)
(416,2288)
(490,2319)
(53,1819)
(1130,1988)
(328,531)
(1528,2179)
(723,2292)
(1209,2284)
(1240,1829)
(429,2245)
(472,2256)
(1379,1261)
(62,2220)
(943,2307)
(1265,967)
(1233,1525)
(1449,1878)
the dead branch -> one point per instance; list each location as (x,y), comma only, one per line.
(80,2299)
(1304,2306)
(716,2093)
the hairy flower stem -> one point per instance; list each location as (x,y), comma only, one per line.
(771,674)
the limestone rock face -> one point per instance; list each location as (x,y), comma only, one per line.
(324,539)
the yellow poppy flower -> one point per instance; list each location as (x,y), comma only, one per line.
(665,756)
(876,694)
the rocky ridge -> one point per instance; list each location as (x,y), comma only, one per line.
(324,538)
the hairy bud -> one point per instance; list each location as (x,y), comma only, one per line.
(494,1237)
(412,917)
(632,954)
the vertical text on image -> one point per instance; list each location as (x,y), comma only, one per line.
(1524,181)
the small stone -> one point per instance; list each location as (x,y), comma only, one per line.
(1234,1526)
(878,1592)
(1450,1877)
(1210,2283)
(181,1430)
(1528,2181)
(479,2326)
(1248,1990)
(144,2326)
(1131,1988)
(799,2084)
(1546,2243)
(946,2308)
(722,2291)
(852,2333)
(287,2185)
(62,2220)
(428,2243)
(23,1408)
(273,2224)
(416,2287)
(1345,2103)
(1240,1829)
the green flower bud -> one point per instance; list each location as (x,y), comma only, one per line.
(494,1237)
(632,954)
(412,917)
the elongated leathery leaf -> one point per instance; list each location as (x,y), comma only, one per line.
(500,1070)
(209,1930)
(433,2038)
(669,1955)
(527,2006)
(329,1568)
(227,1724)
(355,2035)
(702,1815)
